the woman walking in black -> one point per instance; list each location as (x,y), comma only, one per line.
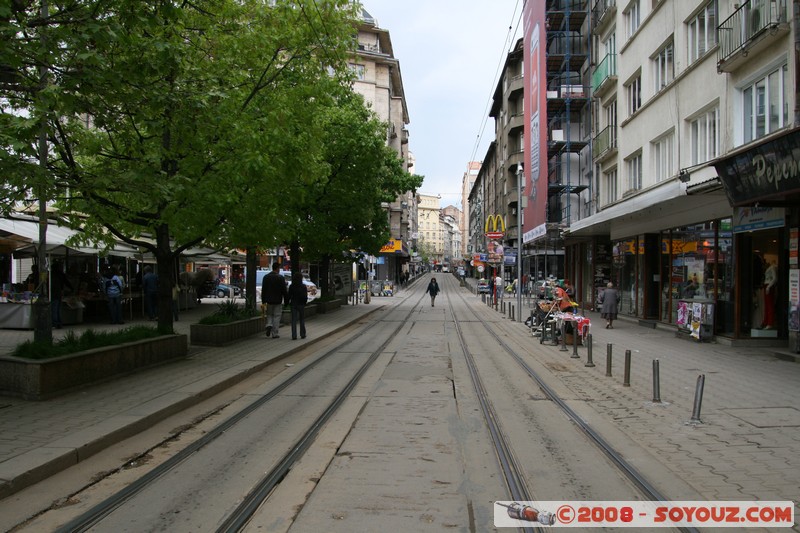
(433,289)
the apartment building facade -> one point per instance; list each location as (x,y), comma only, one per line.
(694,188)
(379,81)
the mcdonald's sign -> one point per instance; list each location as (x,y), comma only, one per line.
(495,227)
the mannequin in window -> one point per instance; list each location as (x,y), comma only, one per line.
(770,282)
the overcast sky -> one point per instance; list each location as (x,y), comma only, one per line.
(450,54)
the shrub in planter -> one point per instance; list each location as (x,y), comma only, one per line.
(229,323)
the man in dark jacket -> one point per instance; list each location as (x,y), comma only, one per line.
(273,294)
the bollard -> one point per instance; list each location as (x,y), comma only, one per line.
(563,337)
(626,379)
(575,344)
(553,336)
(483,298)
(698,397)
(589,361)
(608,360)
(656,383)
(513,310)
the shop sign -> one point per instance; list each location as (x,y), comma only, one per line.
(793,236)
(495,252)
(495,227)
(769,170)
(510,258)
(757,218)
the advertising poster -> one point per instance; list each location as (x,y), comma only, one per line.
(343,279)
(794,299)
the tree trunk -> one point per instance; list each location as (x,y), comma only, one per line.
(251,263)
(294,252)
(165,264)
(325,276)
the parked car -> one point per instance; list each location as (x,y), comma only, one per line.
(225,290)
(311,288)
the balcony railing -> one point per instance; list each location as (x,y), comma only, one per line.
(604,141)
(602,8)
(604,71)
(752,18)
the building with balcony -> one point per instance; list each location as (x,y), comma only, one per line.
(379,81)
(695,188)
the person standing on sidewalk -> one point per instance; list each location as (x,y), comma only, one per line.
(150,289)
(273,294)
(58,282)
(610,302)
(298,297)
(433,289)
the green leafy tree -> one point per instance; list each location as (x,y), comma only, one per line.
(340,207)
(165,118)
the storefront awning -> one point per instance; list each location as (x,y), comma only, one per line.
(28,231)
(664,206)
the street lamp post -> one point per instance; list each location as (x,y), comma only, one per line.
(520,178)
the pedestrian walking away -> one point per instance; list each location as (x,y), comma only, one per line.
(433,290)
(610,304)
(273,294)
(113,287)
(298,297)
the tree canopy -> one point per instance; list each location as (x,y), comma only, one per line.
(171,124)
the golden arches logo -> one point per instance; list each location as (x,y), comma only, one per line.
(495,226)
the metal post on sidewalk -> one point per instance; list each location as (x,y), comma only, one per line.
(698,398)
(656,383)
(626,379)
(575,344)
(563,337)
(589,361)
(609,348)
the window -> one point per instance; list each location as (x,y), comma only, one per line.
(765,105)
(663,67)
(633,91)
(702,32)
(632,15)
(663,157)
(633,167)
(704,136)
(358,70)
(610,186)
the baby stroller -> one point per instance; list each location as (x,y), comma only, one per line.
(541,312)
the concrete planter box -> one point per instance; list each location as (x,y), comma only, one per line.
(39,380)
(222,334)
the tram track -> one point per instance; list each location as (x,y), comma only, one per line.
(513,475)
(519,488)
(243,511)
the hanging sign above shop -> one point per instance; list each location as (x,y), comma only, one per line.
(764,172)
